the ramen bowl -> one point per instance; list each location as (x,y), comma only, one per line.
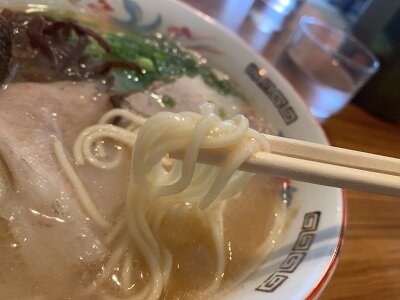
(305,255)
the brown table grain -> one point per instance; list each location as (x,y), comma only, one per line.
(369,265)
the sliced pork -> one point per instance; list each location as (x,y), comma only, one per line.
(184,94)
(187,94)
(44,216)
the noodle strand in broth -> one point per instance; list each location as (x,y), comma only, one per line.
(159,185)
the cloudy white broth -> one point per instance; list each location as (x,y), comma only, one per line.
(91,207)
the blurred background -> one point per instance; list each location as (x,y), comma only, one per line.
(268,25)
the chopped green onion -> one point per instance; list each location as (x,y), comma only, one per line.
(162,59)
(222,113)
(168,101)
(145,63)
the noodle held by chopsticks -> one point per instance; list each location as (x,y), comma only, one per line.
(159,184)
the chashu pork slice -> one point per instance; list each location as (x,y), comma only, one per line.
(51,231)
(187,94)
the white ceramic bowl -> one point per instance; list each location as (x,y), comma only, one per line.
(305,258)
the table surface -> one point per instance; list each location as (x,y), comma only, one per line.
(369,265)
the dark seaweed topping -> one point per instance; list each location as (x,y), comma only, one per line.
(60,46)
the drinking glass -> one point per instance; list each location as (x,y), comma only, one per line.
(327,65)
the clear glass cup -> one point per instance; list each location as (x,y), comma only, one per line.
(326,65)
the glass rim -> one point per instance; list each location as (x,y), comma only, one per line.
(372,66)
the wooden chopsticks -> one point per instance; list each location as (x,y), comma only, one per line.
(334,155)
(321,164)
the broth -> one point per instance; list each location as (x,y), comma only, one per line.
(49,248)
(247,242)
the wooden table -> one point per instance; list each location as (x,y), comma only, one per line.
(369,266)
